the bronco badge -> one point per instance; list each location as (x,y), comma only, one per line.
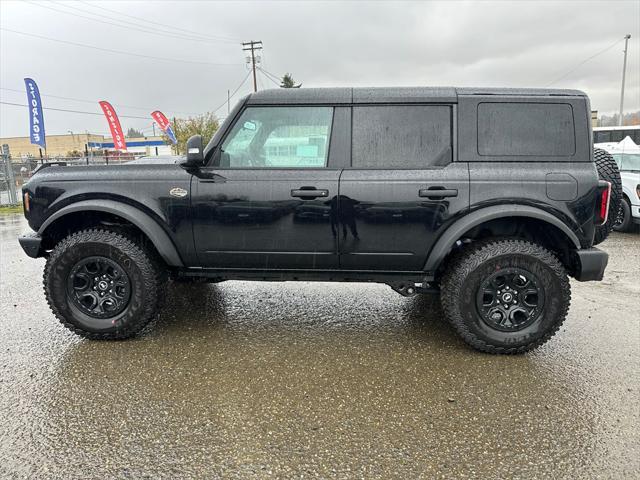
(178,192)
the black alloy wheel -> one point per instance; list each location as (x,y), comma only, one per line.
(98,287)
(510,300)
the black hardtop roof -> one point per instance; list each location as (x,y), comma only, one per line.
(339,95)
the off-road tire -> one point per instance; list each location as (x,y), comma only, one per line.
(146,275)
(608,170)
(464,275)
(624,221)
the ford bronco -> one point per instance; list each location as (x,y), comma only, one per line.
(491,197)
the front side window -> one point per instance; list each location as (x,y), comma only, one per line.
(279,137)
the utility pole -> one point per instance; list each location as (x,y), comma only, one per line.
(253,46)
(624,71)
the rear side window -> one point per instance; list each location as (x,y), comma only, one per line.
(526,129)
(401,136)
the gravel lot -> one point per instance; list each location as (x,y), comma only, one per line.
(257,380)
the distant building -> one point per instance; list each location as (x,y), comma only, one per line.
(142,145)
(61,145)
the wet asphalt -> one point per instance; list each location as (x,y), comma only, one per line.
(307,380)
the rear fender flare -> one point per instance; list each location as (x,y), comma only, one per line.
(150,227)
(447,241)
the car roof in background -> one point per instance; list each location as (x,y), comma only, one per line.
(626,145)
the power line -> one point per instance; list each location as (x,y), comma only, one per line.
(234,92)
(138,29)
(160,24)
(244,80)
(583,62)
(93,101)
(268,76)
(188,36)
(93,47)
(71,111)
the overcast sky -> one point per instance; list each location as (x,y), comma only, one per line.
(526,44)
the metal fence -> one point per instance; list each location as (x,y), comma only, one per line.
(14,172)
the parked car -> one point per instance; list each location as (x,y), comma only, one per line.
(627,155)
(489,197)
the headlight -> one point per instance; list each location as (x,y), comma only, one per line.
(25,198)
(638,190)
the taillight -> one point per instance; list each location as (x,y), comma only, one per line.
(604,196)
(638,191)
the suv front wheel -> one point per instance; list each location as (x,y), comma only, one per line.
(505,296)
(103,285)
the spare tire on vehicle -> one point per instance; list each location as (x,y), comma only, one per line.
(608,170)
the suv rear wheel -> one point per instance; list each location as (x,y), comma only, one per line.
(505,296)
(102,285)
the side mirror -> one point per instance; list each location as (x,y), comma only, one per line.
(195,155)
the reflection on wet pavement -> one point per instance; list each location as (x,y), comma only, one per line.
(247,379)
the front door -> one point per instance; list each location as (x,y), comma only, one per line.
(403,188)
(265,201)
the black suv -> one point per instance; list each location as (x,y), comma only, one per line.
(489,196)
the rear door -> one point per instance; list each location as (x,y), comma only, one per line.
(264,202)
(403,188)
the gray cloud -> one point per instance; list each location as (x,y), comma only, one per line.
(321,43)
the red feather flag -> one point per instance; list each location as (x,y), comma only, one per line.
(114,125)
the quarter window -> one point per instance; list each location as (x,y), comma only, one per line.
(401,136)
(279,137)
(526,129)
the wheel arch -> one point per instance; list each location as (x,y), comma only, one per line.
(153,231)
(516,214)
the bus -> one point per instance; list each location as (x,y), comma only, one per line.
(616,134)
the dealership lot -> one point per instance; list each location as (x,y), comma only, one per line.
(250,379)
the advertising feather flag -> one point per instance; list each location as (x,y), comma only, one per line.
(164,124)
(36,119)
(114,125)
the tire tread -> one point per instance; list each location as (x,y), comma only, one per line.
(470,258)
(154,277)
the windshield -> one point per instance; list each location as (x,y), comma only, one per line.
(627,161)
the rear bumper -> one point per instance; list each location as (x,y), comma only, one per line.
(591,263)
(31,243)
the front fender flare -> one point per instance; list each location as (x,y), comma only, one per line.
(151,228)
(447,241)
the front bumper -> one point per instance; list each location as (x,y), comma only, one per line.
(590,264)
(635,214)
(31,243)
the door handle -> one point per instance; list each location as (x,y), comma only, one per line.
(438,192)
(309,193)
